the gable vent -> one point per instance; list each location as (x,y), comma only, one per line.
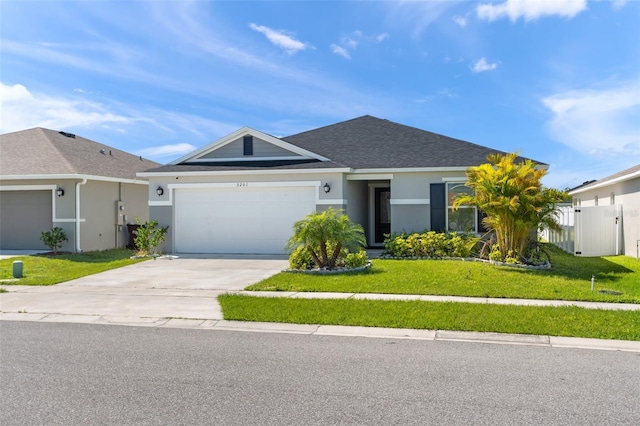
(248,145)
(69,135)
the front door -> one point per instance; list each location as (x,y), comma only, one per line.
(382,214)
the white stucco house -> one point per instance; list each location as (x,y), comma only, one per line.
(621,189)
(243,192)
(52,178)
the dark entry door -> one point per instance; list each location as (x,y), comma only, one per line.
(382,213)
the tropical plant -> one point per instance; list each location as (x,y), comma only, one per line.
(430,244)
(54,238)
(514,200)
(325,235)
(149,236)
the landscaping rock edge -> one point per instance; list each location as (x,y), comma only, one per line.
(325,271)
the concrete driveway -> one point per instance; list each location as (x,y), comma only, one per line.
(169,287)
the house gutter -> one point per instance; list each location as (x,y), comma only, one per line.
(78,184)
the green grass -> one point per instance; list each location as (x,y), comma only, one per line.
(550,321)
(569,279)
(48,270)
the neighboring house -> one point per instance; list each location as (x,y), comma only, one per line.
(623,191)
(243,192)
(50,178)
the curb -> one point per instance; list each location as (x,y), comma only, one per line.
(335,330)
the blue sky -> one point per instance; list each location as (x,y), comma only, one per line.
(558,80)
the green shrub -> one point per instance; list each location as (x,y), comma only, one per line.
(356,260)
(149,236)
(430,244)
(300,258)
(328,236)
(54,238)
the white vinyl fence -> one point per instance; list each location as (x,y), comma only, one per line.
(587,231)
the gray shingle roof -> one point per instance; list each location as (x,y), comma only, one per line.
(621,174)
(40,151)
(370,143)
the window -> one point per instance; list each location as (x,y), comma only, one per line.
(612,199)
(465,219)
(248,145)
(595,200)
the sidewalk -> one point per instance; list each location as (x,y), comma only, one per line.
(458,299)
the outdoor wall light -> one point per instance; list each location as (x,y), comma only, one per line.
(60,192)
(326,188)
(159,191)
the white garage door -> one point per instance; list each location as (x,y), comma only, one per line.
(239,219)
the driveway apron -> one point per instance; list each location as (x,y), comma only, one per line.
(169,287)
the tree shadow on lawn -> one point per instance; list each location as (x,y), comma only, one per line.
(583,268)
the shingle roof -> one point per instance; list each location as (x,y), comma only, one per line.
(627,173)
(364,143)
(40,151)
(370,143)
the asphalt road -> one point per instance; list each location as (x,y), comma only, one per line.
(71,374)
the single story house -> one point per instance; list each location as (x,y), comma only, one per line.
(621,189)
(57,179)
(243,192)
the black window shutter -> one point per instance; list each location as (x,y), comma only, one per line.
(481,228)
(438,207)
(248,145)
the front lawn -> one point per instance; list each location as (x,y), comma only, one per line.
(548,321)
(569,279)
(48,269)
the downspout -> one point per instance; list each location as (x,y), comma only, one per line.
(78,184)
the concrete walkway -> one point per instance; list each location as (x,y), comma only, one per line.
(458,299)
(182,292)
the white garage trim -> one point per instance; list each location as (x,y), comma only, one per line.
(243,184)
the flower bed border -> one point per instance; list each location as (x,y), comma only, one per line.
(542,267)
(325,271)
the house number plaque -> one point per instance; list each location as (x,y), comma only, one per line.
(242,184)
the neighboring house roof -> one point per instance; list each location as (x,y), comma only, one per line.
(39,151)
(364,143)
(627,174)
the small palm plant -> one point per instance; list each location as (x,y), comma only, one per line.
(325,234)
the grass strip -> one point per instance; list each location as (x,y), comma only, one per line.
(48,270)
(569,279)
(550,321)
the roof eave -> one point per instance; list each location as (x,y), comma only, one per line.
(603,183)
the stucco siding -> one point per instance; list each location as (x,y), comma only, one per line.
(261,148)
(357,194)
(409,218)
(164,216)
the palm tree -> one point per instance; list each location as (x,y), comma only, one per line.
(513,198)
(325,234)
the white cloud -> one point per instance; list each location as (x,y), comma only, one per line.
(280,39)
(381,37)
(339,50)
(22,109)
(349,43)
(530,10)
(618,4)
(176,150)
(598,122)
(481,65)
(461,21)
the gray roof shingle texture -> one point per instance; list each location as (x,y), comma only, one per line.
(366,143)
(372,143)
(40,151)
